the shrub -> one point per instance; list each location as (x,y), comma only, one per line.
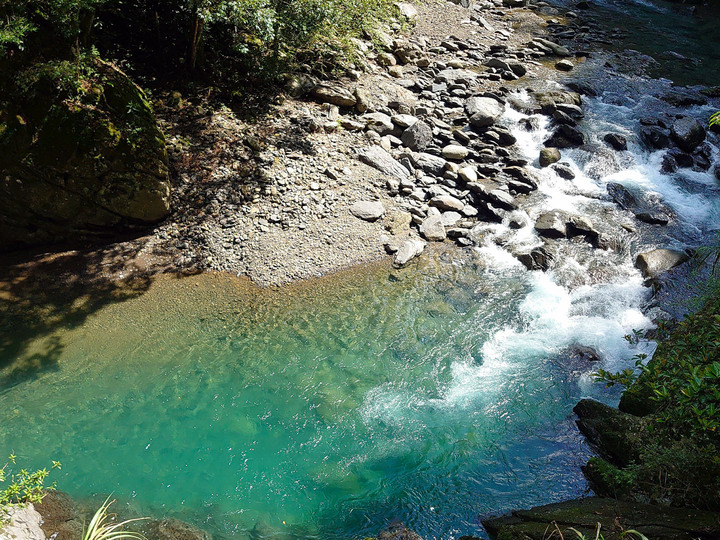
(23,486)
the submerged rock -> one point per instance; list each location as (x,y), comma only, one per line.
(408,251)
(688,133)
(174,529)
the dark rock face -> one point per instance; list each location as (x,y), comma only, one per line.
(73,168)
(61,519)
(398,531)
(617,435)
(688,133)
(617,141)
(655,137)
(614,517)
(565,136)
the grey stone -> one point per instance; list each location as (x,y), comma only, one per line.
(483,111)
(367,210)
(447,202)
(418,136)
(564,65)
(379,122)
(404,120)
(563,170)
(22,524)
(502,199)
(450,219)
(408,251)
(430,164)
(468,174)
(551,225)
(655,262)
(616,141)
(334,94)
(558,50)
(455,151)
(432,228)
(382,161)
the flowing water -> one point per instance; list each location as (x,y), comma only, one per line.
(435,395)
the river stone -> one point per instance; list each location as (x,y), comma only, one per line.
(404,121)
(548,156)
(447,202)
(379,122)
(450,219)
(386,59)
(430,164)
(622,196)
(398,531)
(565,136)
(558,50)
(655,262)
(22,524)
(381,160)
(502,199)
(483,111)
(334,94)
(418,136)
(367,210)
(551,225)
(616,141)
(174,529)
(409,250)
(455,151)
(563,170)
(432,228)
(564,65)
(655,136)
(468,174)
(688,133)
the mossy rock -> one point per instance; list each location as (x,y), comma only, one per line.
(79,162)
(614,517)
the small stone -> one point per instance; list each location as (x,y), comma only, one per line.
(455,151)
(334,94)
(468,174)
(658,261)
(616,141)
(564,65)
(447,202)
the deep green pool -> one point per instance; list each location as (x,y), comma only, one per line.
(434,396)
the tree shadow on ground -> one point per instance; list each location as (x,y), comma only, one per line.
(49,293)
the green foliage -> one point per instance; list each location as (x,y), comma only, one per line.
(23,486)
(102,528)
(715,119)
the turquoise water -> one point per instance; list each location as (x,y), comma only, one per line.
(433,396)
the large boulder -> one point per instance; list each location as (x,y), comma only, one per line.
(79,162)
(653,263)
(483,111)
(21,523)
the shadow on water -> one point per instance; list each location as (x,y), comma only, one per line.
(53,292)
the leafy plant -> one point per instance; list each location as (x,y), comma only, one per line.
(102,528)
(715,119)
(23,486)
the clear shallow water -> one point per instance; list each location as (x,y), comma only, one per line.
(434,395)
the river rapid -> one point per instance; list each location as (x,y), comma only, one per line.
(436,395)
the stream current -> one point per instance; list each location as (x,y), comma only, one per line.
(435,395)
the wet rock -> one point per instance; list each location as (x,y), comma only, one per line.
(548,156)
(655,137)
(398,531)
(432,228)
(538,258)
(381,160)
(585,353)
(174,529)
(483,111)
(653,218)
(551,225)
(549,101)
(502,199)
(418,136)
(616,141)
(408,251)
(557,50)
(455,152)
(564,65)
(367,210)
(622,196)
(688,133)
(563,170)
(565,136)
(60,516)
(522,175)
(653,263)
(334,94)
